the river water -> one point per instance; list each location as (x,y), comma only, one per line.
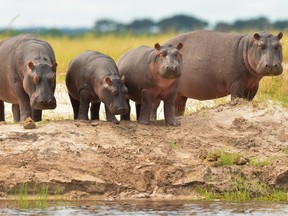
(145,208)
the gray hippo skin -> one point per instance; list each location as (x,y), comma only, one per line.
(27,77)
(217,64)
(152,75)
(93,77)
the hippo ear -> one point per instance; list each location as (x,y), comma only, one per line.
(31,66)
(54,67)
(107,80)
(179,46)
(280,35)
(256,36)
(157,46)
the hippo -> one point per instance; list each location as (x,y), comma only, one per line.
(217,64)
(27,77)
(151,75)
(93,77)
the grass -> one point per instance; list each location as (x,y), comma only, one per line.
(38,198)
(244,191)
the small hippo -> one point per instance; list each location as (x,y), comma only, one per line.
(93,77)
(27,77)
(217,64)
(152,75)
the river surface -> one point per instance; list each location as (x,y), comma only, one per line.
(143,208)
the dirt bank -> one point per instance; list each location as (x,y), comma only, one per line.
(124,161)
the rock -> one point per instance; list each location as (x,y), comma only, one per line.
(28,123)
(241,161)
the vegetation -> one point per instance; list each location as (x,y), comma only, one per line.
(244,191)
(39,196)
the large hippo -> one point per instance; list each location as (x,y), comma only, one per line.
(217,64)
(27,76)
(151,75)
(93,77)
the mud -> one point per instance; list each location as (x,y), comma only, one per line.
(127,161)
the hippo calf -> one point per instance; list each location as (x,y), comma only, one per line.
(217,64)
(93,77)
(27,77)
(152,75)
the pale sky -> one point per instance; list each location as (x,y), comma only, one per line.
(84,13)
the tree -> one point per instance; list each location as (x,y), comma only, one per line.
(181,23)
(142,26)
(107,25)
(281,24)
(260,23)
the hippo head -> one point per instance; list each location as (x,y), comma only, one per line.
(170,60)
(265,54)
(39,83)
(113,94)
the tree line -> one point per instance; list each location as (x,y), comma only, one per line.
(177,23)
(185,23)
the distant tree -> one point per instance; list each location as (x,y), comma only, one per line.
(181,23)
(108,25)
(142,26)
(260,23)
(283,24)
(222,26)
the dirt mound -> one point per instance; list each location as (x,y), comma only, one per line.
(135,161)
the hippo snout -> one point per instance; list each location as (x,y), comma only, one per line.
(44,103)
(170,71)
(119,110)
(273,69)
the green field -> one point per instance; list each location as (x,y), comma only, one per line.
(66,48)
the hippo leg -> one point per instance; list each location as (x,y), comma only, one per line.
(180,104)
(84,105)
(2,111)
(16,112)
(75,105)
(155,106)
(146,107)
(110,117)
(37,115)
(94,111)
(138,109)
(249,95)
(126,117)
(24,101)
(169,112)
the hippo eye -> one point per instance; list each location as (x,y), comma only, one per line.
(163,54)
(53,78)
(261,46)
(114,92)
(36,79)
(125,90)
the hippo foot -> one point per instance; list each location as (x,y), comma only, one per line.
(174,123)
(144,122)
(114,121)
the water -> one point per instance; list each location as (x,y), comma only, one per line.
(147,208)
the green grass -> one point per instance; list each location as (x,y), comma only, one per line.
(38,198)
(243,190)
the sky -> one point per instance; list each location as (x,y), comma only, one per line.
(84,13)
